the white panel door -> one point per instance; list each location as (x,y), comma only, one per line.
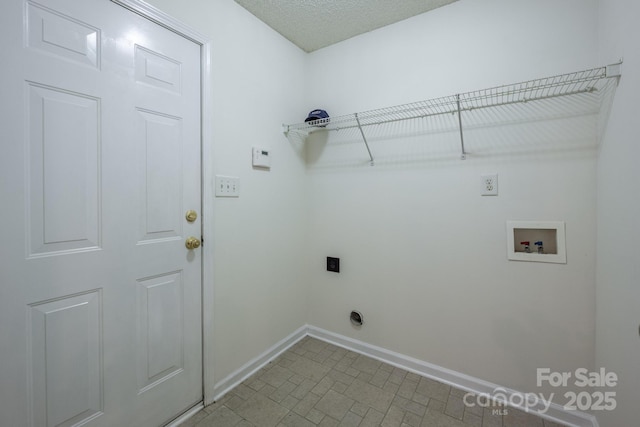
(100,300)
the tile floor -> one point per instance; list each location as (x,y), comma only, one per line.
(318,384)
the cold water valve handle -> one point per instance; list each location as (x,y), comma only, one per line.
(539,245)
(526,246)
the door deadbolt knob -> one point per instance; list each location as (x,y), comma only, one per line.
(192,243)
(191,215)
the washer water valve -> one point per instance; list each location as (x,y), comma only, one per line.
(539,245)
(526,244)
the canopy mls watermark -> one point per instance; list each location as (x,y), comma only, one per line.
(596,399)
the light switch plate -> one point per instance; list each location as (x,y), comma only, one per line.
(227,186)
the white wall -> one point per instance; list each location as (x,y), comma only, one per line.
(423,254)
(257,79)
(618,293)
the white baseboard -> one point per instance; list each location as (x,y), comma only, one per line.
(229,382)
(455,379)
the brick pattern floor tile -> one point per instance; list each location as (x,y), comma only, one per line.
(315,383)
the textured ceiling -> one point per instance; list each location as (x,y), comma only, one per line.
(314,24)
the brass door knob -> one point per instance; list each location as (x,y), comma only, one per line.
(192,243)
(191,215)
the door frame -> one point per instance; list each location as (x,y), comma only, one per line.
(167,21)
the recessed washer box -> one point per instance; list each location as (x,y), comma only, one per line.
(536,241)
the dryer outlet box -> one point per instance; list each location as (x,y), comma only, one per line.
(333,264)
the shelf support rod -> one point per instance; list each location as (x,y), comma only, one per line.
(464,154)
(364,138)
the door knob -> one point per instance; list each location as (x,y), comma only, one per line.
(192,243)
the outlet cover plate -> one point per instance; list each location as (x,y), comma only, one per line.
(489,184)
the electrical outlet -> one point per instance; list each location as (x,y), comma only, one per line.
(489,184)
(227,186)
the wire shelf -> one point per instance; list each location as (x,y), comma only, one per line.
(580,82)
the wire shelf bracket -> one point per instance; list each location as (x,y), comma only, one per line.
(579,82)
(463,156)
(364,138)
